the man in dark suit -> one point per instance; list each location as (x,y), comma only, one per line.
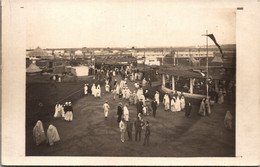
(147,134)
(154,107)
(119,112)
(129,128)
(138,128)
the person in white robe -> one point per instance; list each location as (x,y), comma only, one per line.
(135,97)
(202,110)
(144,82)
(124,92)
(138,93)
(56,113)
(182,101)
(127,95)
(107,82)
(106,109)
(59,79)
(173,104)
(126,112)
(85,89)
(117,89)
(93,89)
(122,84)
(107,87)
(207,106)
(142,98)
(220,97)
(68,112)
(98,91)
(228,120)
(122,128)
(114,73)
(137,85)
(59,111)
(114,93)
(38,133)
(144,109)
(156,96)
(52,135)
(178,104)
(166,102)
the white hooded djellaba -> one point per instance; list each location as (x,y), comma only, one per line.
(182,101)
(126,113)
(117,89)
(173,104)
(52,135)
(38,133)
(93,89)
(106,109)
(98,91)
(178,104)
(107,87)
(166,102)
(59,111)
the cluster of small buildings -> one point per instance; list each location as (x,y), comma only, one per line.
(182,69)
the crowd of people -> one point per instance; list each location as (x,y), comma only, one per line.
(145,106)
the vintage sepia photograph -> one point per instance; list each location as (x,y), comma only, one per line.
(129,80)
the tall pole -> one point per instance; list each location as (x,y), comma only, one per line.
(94,64)
(207,86)
(174,56)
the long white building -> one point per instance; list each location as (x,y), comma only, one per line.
(195,54)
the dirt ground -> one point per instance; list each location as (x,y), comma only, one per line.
(172,134)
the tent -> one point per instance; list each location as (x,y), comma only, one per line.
(33,68)
(39,53)
(217,59)
(80,71)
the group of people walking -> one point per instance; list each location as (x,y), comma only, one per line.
(64,111)
(144,106)
(177,103)
(126,125)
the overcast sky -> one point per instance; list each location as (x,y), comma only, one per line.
(124,24)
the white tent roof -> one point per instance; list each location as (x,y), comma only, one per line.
(41,53)
(217,59)
(33,68)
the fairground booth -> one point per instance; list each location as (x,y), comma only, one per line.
(192,80)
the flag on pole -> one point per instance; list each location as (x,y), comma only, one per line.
(214,40)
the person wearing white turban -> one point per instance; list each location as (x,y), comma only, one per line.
(106,109)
